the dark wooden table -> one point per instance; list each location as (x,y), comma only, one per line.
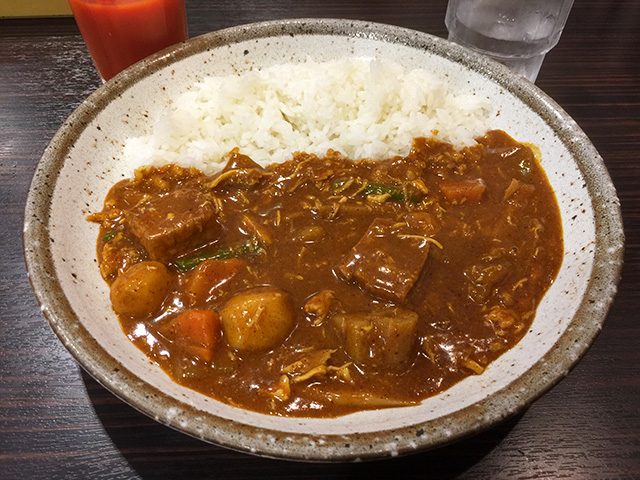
(57,422)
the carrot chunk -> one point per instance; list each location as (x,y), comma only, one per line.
(197,331)
(464,190)
(207,280)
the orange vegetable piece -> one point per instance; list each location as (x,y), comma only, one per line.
(205,282)
(464,190)
(197,331)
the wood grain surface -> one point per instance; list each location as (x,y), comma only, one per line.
(57,422)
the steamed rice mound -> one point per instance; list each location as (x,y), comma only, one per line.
(361,108)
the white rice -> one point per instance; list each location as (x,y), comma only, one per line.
(361,108)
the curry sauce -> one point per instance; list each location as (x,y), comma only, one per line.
(323,286)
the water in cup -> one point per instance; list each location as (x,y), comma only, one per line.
(515,33)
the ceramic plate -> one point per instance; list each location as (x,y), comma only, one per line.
(83,161)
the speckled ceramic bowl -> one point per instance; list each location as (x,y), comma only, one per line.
(82,162)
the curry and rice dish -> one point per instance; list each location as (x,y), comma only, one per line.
(323,286)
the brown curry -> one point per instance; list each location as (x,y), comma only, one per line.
(323,286)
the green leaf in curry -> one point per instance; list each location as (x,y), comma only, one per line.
(109,236)
(370,187)
(239,250)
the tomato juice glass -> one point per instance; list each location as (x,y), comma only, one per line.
(118,33)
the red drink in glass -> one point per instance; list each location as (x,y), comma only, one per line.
(118,33)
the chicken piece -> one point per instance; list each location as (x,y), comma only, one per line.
(319,304)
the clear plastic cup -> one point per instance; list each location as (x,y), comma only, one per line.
(517,33)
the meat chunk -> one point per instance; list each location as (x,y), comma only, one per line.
(382,340)
(240,172)
(387,260)
(173,224)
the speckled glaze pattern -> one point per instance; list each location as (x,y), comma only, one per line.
(82,162)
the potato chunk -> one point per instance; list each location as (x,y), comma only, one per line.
(257,319)
(140,289)
(381,340)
